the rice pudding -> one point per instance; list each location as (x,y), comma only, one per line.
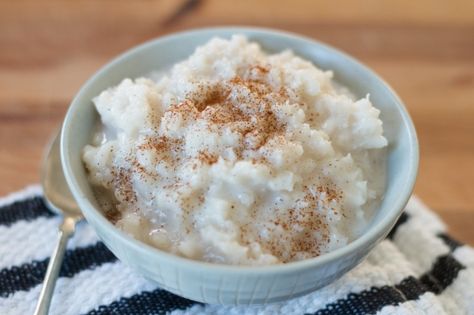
(238,156)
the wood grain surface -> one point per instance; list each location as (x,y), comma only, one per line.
(423,48)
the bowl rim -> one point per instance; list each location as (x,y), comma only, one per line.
(369,237)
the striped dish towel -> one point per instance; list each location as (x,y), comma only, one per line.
(418,269)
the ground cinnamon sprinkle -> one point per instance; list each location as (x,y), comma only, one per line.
(244,105)
(247,106)
(123,185)
(308,220)
(236,156)
(207,158)
(113,215)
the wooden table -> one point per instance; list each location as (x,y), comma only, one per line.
(423,48)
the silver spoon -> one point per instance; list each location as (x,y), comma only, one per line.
(59,199)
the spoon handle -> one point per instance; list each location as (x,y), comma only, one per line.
(65,232)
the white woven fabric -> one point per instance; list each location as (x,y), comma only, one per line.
(419,271)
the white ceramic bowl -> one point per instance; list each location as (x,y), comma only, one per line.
(224,284)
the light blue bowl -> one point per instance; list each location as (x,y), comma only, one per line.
(223,284)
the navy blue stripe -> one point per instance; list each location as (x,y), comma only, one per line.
(27,276)
(442,274)
(146,303)
(448,240)
(401,220)
(28,209)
